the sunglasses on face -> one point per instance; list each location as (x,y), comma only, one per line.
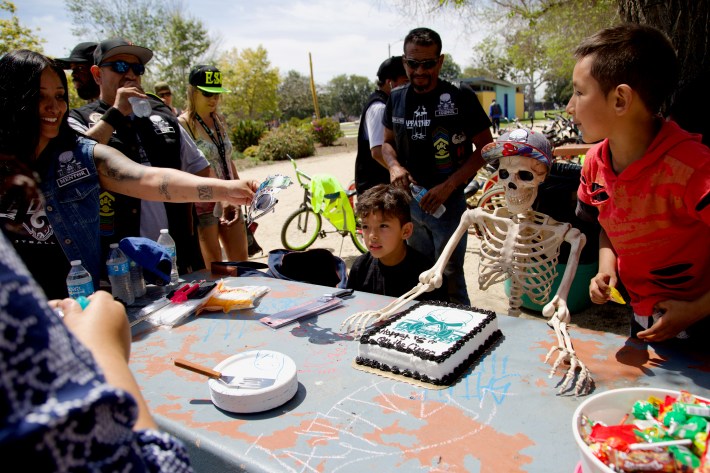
(425,64)
(162,95)
(208,95)
(121,67)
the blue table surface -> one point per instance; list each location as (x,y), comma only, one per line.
(503,415)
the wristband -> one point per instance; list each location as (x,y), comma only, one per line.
(113,117)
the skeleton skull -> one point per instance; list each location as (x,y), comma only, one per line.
(521,176)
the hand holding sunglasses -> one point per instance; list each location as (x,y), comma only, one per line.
(265,199)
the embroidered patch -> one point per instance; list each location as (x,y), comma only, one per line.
(446,106)
(160,125)
(419,124)
(106,213)
(70,169)
(94,118)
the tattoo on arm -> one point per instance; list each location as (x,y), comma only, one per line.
(204,192)
(114,170)
(163,188)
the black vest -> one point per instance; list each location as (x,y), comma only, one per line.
(368,172)
(155,139)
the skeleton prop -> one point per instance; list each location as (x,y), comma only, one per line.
(517,243)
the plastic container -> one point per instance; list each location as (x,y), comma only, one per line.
(137,281)
(418,192)
(79,281)
(141,107)
(169,244)
(610,407)
(119,275)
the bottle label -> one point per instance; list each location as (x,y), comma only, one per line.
(117,269)
(85,290)
(171,251)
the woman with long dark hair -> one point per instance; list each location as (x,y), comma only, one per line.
(72,170)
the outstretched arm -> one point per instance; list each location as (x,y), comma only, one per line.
(119,174)
(558,305)
(606,278)
(677,316)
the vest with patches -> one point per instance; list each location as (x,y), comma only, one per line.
(368,172)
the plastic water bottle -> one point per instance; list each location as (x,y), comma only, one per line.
(418,192)
(79,282)
(137,281)
(169,244)
(141,107)
(119,275)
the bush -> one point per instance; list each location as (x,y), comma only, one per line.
(247,133)
(275,145)
(251,151)
(326,131)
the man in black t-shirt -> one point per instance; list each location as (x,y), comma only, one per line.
(431,129)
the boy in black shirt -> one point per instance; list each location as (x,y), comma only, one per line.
(391,267)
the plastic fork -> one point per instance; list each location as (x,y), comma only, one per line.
(232,381)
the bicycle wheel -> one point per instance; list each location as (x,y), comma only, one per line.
(300,229)
(359,240)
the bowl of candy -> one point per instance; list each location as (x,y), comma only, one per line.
(643,429)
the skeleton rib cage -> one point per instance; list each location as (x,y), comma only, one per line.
(527,254)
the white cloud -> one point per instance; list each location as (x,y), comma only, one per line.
(351,37)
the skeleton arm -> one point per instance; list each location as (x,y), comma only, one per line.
(558,305)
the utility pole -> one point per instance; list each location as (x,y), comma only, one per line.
(313,89)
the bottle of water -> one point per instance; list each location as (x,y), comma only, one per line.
(141,107)
(169,244)
(137,281)
(119,275)
(418,193)
(79,282)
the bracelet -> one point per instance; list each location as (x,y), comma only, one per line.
(113,117)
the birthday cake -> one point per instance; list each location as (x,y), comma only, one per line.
(432,342)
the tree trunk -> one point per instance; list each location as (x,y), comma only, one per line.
(687,24)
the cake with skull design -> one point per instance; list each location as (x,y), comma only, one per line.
(432,342)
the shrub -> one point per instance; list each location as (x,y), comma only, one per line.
(275,145)
(246,133)
(251,151)
(326,131)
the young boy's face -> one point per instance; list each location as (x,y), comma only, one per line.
(384,237)
(591,110)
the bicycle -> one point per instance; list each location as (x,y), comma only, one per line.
(305,225)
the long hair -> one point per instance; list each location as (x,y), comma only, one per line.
(190,111)
(20,74)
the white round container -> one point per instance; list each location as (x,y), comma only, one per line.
(610,407)
(262,380)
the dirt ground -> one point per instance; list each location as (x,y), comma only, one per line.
(339,161)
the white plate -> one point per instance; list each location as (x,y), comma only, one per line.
(270,381)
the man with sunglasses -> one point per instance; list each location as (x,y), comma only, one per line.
(79,61)
(434,133)
(162,90)
(157,140)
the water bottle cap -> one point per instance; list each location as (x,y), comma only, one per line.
(163,230)
(75,262)
(113,245)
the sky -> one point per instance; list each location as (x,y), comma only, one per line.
(343,37)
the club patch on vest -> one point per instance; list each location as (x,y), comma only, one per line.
(106,213)
(419,124)
(160,125)
(70,169)
(446,106)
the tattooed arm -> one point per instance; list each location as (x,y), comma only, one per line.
(119,174)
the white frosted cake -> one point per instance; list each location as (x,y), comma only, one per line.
(432,342)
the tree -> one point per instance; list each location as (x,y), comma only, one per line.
(294,96)
(449,69)
(686,24)
(253,83)
(348,94)
(15,36)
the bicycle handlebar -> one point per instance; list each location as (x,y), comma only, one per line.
(299,173)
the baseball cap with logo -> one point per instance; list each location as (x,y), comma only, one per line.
(207,79)
(115,46)
(520,142)
(83,53)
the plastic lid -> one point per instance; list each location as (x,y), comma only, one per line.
(163,230)
(113,245)
(75,262)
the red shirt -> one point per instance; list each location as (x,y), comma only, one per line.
(656,214)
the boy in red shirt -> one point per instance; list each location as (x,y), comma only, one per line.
(647,182)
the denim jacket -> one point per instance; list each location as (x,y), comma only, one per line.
(70,186)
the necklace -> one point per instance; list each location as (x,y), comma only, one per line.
(217,140)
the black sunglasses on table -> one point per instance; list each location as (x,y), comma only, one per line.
(426,64)
(122,67)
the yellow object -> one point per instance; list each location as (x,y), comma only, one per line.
(616,295)
(234,298)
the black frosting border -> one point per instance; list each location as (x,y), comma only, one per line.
(490,316)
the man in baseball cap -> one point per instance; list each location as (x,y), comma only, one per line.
(370,167)
(79,61)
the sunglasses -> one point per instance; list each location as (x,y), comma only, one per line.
(426,64)
(265,199)
(208,95)
(121,67)
(165,94)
